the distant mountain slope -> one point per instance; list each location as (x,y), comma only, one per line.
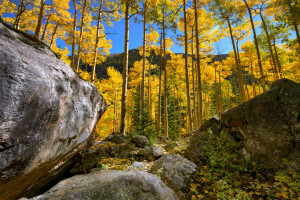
(116,61)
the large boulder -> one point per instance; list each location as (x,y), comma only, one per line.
(264,130)
(111,185)
(151,152)
(140,140)
(116,138)
(174,171)
(47,114)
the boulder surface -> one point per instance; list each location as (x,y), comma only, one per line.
(47,114)
(111,185)
(174,171)
(264,130)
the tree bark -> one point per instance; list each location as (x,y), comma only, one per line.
(97,41)
(190,123)
(46,24)
(252,80)
(237,64)
(125,72)
(52,37)
(256,47)
(142,99)
(74,34)
(166,125)
(198,66)
(159,92)
(39,23)
(21,10)
(80,36)
(193,75)
(269,44)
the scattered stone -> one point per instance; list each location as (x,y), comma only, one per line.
(151,152)
(174,171)
(137,166)
(171,145)
(140,140)
(88,160)
(126,151)
(116,138)
(111,185)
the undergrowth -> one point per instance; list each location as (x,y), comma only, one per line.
(219,176)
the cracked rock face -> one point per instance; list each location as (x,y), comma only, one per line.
(47,114)
(111,185)
(264,130)
(174,171)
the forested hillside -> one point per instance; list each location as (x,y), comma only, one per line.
(116,61)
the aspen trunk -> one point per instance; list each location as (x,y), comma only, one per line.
(221,94)
(149,92)
(193,75)
(97,41)
(252,80)
(159,92)
(166,125)
(198,65)
(80,36)
(269,45)
(52,37)
(256,46)
(125,72)
(39,23)
(73,34)
(237,64)
(21,10)
(142,99)
(277,58)
(46,25)
(189,119)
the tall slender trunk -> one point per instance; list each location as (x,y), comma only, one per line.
(294,18)
(216,93)
(39,23)
(269,44)
(297,31)
(198,65)
(277,59)
(149,91)
(97,41)
(21,10)
(235,88)
(80,36)
(190,123)
(252,80)
(53,34)
(46,25)
(179,111)
(74,34)
(221,94)
(159,92)
(242,71)
(142,99)
(237,64)
(116,111)
(166,124)
(193,75)
(125,71)
(256,46)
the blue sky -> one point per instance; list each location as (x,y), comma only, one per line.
(117,33)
